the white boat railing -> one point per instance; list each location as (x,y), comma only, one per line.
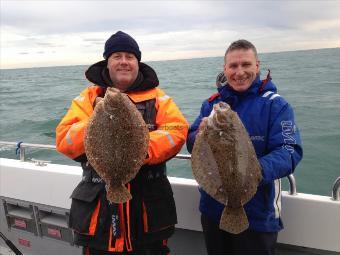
(20,149)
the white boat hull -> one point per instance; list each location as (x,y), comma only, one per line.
(310,221)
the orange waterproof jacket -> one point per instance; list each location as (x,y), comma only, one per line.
(165,141)
(151,214)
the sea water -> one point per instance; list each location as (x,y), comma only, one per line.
(33,101)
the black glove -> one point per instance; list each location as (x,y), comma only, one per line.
(221,80)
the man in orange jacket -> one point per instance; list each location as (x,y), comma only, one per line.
(143,224)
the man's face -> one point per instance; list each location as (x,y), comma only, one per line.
(241,68)
(123,68)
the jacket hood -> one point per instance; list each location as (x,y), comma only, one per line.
(99,75)
(257,86)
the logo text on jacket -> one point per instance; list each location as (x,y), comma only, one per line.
(288,130)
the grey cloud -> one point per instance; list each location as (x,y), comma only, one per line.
(106,16)
(47,44)
(60,17)
(272,25)
(92,40)
(43,43)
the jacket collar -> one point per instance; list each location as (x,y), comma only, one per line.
(99,75)
(226,91)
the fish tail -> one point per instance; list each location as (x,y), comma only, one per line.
(234,220)
(118,194)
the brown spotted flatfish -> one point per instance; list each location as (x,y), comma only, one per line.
(225,165)
(116,143)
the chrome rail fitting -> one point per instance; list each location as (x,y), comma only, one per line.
(21,148)
(336,190)
(292,185)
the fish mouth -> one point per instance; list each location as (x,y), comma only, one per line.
(218,115)
(221,106)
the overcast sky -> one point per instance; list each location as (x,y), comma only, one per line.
(48,33)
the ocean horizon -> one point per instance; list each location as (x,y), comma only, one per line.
(151,61)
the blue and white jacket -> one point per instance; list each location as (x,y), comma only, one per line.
(269,120)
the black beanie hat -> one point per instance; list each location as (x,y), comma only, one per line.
(121,41)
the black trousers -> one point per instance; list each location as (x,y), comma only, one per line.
(156,248)
(219,242)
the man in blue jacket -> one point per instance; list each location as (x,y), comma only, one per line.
(269,120)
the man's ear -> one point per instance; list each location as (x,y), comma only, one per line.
(257,66)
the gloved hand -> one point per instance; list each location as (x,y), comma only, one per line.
(221,80)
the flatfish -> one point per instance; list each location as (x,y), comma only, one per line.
(225,165)
(116,143)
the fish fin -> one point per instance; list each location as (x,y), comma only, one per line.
(119,194)
(234,220)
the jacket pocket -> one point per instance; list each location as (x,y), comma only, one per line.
(159,210)
(85,207)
